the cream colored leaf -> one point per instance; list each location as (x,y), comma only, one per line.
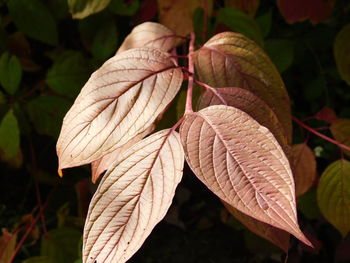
(242,163)
(250,104)
(232,60)
(275,235)
(303,164)
(178,14)
(83,8)
(101,165)
(132,198)
(333,195)
(149,34)
(120,100)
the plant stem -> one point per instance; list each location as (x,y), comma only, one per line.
(339,144)
(190,76)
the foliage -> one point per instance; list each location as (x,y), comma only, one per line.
(240,126)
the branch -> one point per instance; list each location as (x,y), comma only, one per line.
(190,77)
(339,144)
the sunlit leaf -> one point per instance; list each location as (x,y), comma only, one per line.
(101,165)
(10,72)
(8,243)
(247,6)
(149,34)
(299,10)
(60,245)
(342,53)
(239,22)
(231,60)
(65,76)
(34,19)
(83,8)
(333,195)
(120,100)
(303,164)
(177,14)
(275,235)
(132,198)
(9,137)
(281,52)
(242,163)
(249,103)
(341,132)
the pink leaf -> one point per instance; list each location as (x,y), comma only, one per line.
(120,100)
(242,163)
(132,198)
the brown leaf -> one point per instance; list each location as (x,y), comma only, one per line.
(247,6)
(300,10)
(341,132)
(132,198)
(275,235)
(249,103)
(120,100)
(242,163)
(231,60)
(8,243)
(303,164)
(149,34)
(326,114)
(178,14)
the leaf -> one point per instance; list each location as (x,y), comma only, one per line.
(231,60)
(177,14)
(83,8)
(241,162)
(120,100)
(10,73)
(239,22)
(299,10)
(327,115)
(281,52)
(39,259)
(303,163)
(66,77)
(34,19)
(265,22)
(247,6)
(250,104)
(8,243)
(9,137)
(124,8)
(43,110)
(333,195)
(149,34)
(341,131)
(60,245)
(101,165)
(132,198)
(276,236)
(342,53)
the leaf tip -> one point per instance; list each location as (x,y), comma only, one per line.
(60,173)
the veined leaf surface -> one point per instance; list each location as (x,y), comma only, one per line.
(149,34)
(120,100)
(132,198)
(242,163)
(303,164)
(275,235)
(250,104)
(333,195)
(232,60)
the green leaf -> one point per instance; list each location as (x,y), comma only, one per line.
(3,40)
(34,19)
(10,72)
(69,73)
(281,52)
(265,21)
(60,245)
(58,8)
(333,195)
(2,98)
(341,131)
(124,8)
(307,204)
(46,113)
(99,32)
(9,136)
(83,8)
(342,53)
(241,23)
(39,259)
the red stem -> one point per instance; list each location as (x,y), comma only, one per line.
(320,134)
(190,77)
